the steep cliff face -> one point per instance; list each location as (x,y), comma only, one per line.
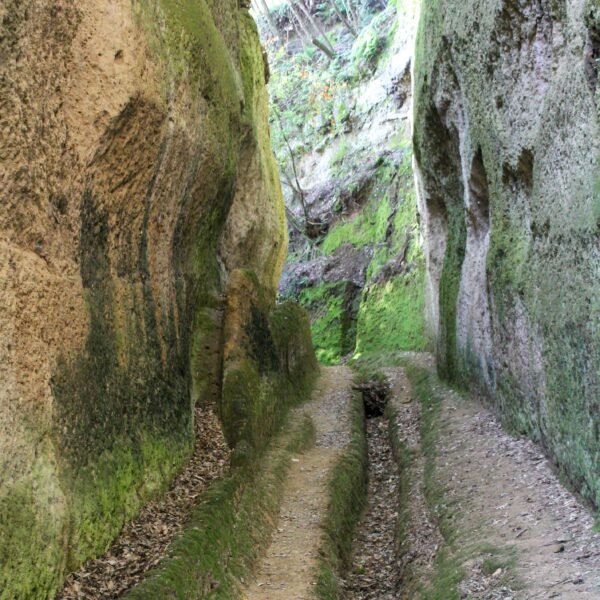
(341,134)
(506,139)
(136,177)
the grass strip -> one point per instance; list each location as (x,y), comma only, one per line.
(347,499)
(230,527)
(402,457)
(447,572)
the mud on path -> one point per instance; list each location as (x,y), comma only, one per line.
(288,570)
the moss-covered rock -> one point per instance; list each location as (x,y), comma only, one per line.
(137,176)
(269,363)
(333,308)
(391,316)
(506,138)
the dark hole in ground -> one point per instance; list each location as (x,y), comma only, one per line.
(375,397)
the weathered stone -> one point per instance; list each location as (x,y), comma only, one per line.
(136,176)
(506,134)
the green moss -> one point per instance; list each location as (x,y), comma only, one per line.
(459,546)
(542,260)
(367,228)
(333,314)
(402,457)
(122,416)
(230,527)
(277,372)
(248,408)
(290,328)
(449,288)
(112,490)
(122,427)
(507,258)
(191,47)
(447,569)
(347,499)
(32,529)
(391,315)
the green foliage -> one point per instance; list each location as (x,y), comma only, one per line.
(313,95)
(369,45)
(347,499)
(310,103)
(340,153)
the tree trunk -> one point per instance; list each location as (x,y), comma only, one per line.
(316,27)
(352,15)
(307,37)
(343,18)
(264,9)
(321,46)
(297,187)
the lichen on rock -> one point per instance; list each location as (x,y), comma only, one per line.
(506,137)
(137,176)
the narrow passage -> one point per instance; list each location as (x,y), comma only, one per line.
(288,570)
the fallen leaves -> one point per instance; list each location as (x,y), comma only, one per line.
(144,542)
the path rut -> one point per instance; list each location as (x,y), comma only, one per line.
(288,570)
(505,500)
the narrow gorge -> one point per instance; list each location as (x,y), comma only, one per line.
(299,299)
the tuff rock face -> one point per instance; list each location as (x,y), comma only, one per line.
(506,134)
(136,177)
(361,277)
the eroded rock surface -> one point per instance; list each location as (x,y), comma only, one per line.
(506,139)
(136,176)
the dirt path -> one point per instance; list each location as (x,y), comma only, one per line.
(287,571)
(516,531)
(506,490)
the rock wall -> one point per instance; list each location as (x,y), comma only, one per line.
(506,134)
(347,123)
(136,176)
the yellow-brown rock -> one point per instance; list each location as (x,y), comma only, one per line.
(135,175)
